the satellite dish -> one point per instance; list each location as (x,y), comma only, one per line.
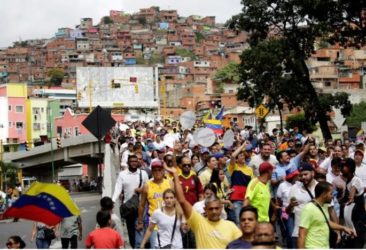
(187,119)
(205,137)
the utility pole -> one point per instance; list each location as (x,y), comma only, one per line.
(51,135)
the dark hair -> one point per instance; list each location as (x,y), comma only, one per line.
(336,161)
(320,176)
(212,187)
(350,163)
(106,203)
(279,154)
(249,209)
(216,179)
(103,218)
(18,240)
(131,157)
(321,188)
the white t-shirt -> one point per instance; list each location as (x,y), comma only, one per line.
(361,173)
(283,192)
(257,160)
(128,181)
(165,224)
(357,183)
(302,197)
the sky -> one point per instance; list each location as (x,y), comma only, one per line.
(35,19)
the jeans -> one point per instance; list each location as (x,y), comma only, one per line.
(237,207)
(131,230)
(73,242)
(139,235)
(289,225)
(42,243)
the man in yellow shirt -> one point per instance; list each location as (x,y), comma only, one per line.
(258,193)
(210,232)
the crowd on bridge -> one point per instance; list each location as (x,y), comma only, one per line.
(284,189)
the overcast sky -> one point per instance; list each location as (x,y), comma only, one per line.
(33,19)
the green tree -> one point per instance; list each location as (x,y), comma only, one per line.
(299,120)
(56,76)
(8,173)
(295,26)
(142,20)
(185,53)
(357,116)
(107,20)
(228,74)
(199,37)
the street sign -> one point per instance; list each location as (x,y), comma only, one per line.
(99,122)
(261,111)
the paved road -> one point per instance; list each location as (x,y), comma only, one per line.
(88,204)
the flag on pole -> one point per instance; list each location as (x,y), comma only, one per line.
(44,202)
(220,115)
(215,125)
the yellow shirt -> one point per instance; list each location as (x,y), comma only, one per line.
(155,194)
(211,234)
(205,177)
(260,197)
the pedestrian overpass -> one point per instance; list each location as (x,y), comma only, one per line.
(38,160)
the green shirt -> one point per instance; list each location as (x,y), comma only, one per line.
(259,196)
(313,220)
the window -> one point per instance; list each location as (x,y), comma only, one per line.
(19,109)
(19,125)
(9,124)
(327,84)
(9,107)
(77,132)
(36,126)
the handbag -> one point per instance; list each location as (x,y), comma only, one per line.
(49,234)
(169,246)
(129,208)
(332,234)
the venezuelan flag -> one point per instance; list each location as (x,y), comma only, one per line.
(44,202)
(215,125)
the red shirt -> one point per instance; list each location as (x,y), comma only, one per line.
(104,237)
(189,187)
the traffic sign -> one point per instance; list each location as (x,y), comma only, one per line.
(261,111)
(99,122)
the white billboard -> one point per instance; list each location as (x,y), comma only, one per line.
(131,87)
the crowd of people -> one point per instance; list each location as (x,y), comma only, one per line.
(266,190)
(281,189)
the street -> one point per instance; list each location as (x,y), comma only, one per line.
(88,204)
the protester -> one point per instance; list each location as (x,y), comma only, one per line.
(104,237)
(152,193)
(39,233)
(70,230)
(258,193)
(212,231)
(169,221)
(15,242)
(129,182)
(264,156)
(240,176)
(301,193)
(248,221)
(264,236)
(205,175)
(314,231)
(191,184)
(354,210)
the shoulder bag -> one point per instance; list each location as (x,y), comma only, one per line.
(169,246)
(130,207)
(332,234)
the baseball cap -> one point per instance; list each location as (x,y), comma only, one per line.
(305,166)
(219,155)
(156,164)
(265,167)
(291,173)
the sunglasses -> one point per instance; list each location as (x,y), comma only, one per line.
(186,165)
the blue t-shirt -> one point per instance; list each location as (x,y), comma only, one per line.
(239,244)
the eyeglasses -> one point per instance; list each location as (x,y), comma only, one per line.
(186,165)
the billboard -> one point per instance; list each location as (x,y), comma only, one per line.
(130,87)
